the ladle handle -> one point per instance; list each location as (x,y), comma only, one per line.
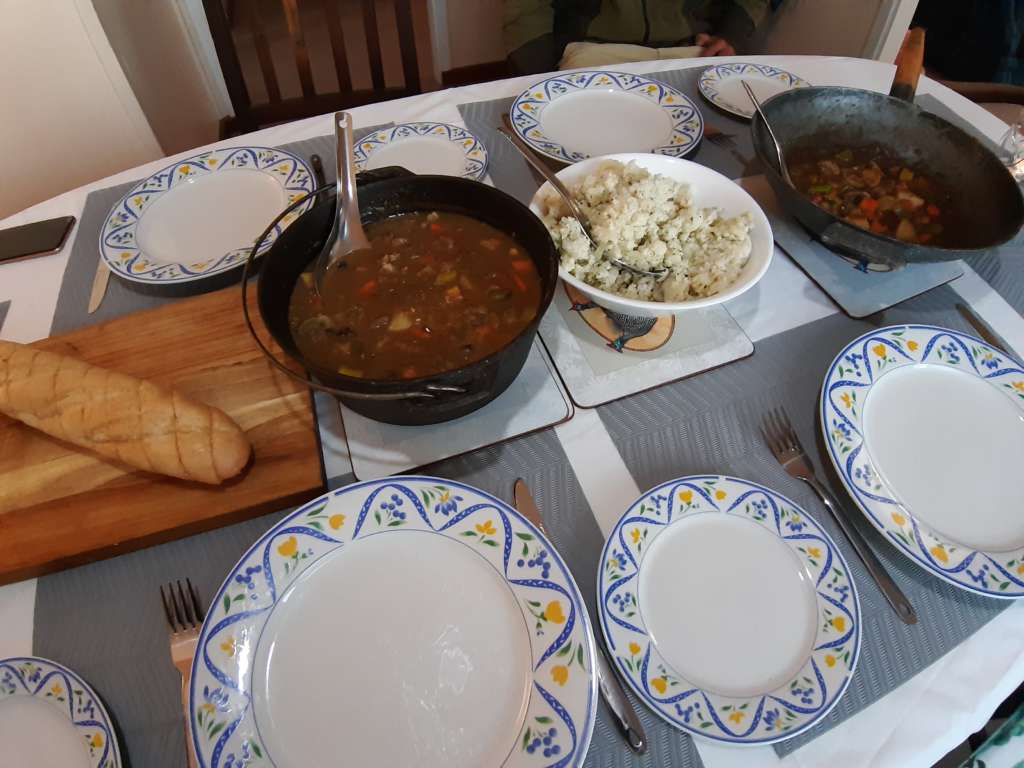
(910,62)
(348,209)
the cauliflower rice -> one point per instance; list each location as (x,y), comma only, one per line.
(649,222)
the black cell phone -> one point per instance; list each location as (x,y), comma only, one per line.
(36,239)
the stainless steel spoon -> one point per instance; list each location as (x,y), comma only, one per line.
(347,233)
(783,169)
(573,206)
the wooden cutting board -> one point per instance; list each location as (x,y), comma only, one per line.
(62,506)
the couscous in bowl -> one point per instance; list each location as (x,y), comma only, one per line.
(708,189)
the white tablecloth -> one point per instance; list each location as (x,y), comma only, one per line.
(915,724)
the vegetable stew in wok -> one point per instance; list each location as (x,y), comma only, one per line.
(870,189)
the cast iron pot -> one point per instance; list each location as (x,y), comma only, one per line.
(384,193)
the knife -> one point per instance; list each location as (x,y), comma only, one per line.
(985,330)
(99,286)
(607,679)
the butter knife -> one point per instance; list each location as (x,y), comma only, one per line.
(607,679)
(99,286)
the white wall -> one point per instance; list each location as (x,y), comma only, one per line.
(69,116)
(161,57)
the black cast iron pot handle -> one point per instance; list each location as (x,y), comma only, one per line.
(851,241)
(428,392)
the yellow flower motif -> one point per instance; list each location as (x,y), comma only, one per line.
(96,741)
(211,162)
(336,521)
(912,345)
(138,200)
(845,398)
(660,684)
(207,707)
(736,717)
(830,660)
(898,519)
(939,553)
(57,689)
(635,535)
(289,548)
(560,674)
(669,99)
(720,494)
(686,496)
(1018,385)
(634,648)
(487,529)
(1020,568)
(185,170)
(814,552)
(445,496)
(839,623)
(228,646)
(879,349)
(126,255)
(553,612)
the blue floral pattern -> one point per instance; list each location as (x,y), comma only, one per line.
(847,384)
(559,716)
(59,686)
(781,713)
(527,111)
(474,153)
(120,250)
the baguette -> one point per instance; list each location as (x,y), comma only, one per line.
(119,416)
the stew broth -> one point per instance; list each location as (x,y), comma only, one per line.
(434,292)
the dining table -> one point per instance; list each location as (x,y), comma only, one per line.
(594,464)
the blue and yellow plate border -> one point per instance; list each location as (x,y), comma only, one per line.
(474,153)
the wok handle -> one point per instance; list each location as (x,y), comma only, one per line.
(909,63)
(851,241)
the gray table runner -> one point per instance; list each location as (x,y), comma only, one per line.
(122,296)
(710,424)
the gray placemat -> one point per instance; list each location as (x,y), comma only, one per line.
(858,292)
(710,424)
(4,306)
(105,620)
(1003,267)
(510,173)
(123,297)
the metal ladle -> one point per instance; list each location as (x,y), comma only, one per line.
(574,208)
(346,234)
(783,169)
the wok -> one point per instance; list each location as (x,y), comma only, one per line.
(985,195)
(388,192)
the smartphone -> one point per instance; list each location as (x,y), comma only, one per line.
(36,239)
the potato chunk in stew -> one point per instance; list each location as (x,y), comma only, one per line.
(434,292)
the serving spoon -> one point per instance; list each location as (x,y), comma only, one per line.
(574,208)
(347,235)
(783,168)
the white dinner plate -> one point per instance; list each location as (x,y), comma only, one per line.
(425,148)
(405,621)
(201,216)
(722,86)
(577,115)
(925,426)
(50,717)
(728,610)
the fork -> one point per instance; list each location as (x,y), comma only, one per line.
(719,137)
(782,439)
(184,617)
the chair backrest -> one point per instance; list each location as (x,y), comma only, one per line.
(245,16)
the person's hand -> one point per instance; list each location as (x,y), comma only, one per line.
(714,46)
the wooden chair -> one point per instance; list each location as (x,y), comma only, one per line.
(249,116)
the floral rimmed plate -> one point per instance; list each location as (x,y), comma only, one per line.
(722,86)
(406,621)
(50,716)
(925,427)
(577,115)
(728,610)
(424,148)
(200,216)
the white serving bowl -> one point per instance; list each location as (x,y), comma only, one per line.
(709,189)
